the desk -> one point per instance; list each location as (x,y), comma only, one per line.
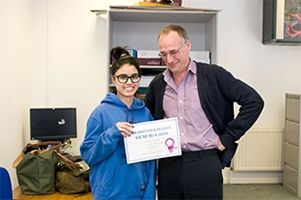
(17,194)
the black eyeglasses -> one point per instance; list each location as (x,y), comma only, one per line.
(123,78)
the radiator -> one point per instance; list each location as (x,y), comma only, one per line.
(259,150)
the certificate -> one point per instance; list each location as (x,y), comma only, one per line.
(152,140)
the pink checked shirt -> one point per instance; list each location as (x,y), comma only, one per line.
(183,102)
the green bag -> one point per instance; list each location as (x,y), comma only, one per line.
(72,177)
(36,168)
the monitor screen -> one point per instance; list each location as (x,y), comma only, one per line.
(53,124)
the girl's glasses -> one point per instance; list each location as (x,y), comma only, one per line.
(123,78)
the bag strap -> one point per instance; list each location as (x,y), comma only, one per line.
(67,160)
(54,145)
(18,159)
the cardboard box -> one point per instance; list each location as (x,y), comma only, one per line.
(147,54)
(200,56)
(145,80)
(149,61)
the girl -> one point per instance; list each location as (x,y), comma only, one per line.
(103,146)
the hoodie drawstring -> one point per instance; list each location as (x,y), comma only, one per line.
(127,116)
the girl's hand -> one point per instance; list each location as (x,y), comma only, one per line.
(125,128)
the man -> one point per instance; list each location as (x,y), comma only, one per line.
(202,96)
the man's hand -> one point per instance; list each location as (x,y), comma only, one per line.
(220,146)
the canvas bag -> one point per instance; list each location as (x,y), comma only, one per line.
(72,177)
(35,168)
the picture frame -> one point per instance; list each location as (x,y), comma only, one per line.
(282,22)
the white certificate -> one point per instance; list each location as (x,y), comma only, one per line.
(152,140)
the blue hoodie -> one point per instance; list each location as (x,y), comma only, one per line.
(103,149)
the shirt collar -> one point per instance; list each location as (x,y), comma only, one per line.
(192,66)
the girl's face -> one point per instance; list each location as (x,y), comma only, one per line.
(126,80)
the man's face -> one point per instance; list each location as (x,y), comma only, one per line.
(174,52)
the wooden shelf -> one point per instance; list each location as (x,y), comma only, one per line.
(158,14)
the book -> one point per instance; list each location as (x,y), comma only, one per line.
(152,4)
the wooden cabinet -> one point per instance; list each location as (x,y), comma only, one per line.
(138,27)
(292,150)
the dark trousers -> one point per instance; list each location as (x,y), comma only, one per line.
(194,175)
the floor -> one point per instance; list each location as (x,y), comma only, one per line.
(231,192)
(17,194)
(257,192)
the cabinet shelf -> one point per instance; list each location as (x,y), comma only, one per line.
(157,14)
(137,27)
(152,67)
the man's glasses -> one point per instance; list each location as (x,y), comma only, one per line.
(171,53)
(123,78)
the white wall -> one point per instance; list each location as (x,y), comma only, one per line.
(52,54)
(16,75)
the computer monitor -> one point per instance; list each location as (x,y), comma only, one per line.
(53,124)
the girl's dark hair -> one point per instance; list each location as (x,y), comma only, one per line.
(120,56)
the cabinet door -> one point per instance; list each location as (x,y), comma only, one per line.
(291,155)
(290,179)
(292,134)
(293,108)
